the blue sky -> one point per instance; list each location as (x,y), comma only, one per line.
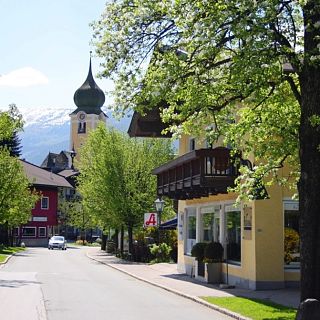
(45,48)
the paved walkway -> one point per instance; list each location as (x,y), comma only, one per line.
(166,276)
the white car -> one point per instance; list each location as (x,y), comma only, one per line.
(58,242)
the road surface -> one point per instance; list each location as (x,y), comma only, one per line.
(42,284)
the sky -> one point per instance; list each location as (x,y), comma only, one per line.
(45,47)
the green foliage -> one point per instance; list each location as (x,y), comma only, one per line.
(197,250)
(161,252)
(75,214)
(213,252)
(7,251)
(255,309)
(116,183)
(16,197)
(218,65)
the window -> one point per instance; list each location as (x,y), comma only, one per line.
(233,233)
(191,231)
(210,224)
(291,235)
(192,144)
(45,203)
(82,127)
(29,232)
(42,232)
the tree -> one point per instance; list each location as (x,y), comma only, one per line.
(115,181)
(75,214)
(214,61)
(16,196)
(13,144)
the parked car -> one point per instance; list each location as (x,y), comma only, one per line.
(58,242)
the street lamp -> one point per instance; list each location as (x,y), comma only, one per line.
(72,155)
(159,204)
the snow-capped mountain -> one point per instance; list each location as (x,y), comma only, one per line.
(48,129)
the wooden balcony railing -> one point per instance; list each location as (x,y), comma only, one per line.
(196,174)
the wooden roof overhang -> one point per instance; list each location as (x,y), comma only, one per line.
(196,174)
(148,125)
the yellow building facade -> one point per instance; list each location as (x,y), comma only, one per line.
(253,233)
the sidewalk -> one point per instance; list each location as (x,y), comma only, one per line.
(166,276)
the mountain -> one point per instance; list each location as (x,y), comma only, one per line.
(48,129)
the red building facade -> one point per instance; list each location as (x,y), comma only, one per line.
(44,220)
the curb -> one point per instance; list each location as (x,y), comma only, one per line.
(6,260)
(179,293)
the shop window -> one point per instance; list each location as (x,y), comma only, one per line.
(291,235)
(29,232)
(233,228)
(191,232)
(42,232)
(210,226)
(45,203)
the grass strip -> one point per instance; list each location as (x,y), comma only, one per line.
(255,309)
(7,251)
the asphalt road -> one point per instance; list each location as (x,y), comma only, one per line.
(66,285)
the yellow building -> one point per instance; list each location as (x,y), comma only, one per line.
(89,99)
(252,233)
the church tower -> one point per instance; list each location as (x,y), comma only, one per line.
(89,99)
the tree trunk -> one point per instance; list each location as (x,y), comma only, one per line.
(116,239)
(130,238)
(4,238)
(309,183)
(103,242)
(121,240)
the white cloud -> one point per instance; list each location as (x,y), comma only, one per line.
(24,77)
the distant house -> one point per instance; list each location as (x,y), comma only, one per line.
(56,162)
(44,220)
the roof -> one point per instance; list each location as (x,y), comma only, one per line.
(68,173)
(148,125)
(89,97)
(41,177)
(56,161)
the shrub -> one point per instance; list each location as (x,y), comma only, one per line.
(291,244)
(197,251)
(213,252)
(98,240)
(82,242)
(161,252)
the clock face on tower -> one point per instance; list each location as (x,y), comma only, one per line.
(81,116)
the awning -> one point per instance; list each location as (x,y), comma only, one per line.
(169,224)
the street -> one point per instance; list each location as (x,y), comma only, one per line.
(68,285)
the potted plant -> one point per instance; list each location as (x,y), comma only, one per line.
(197,251)
(213,256)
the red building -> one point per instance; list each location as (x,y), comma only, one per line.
(44,220)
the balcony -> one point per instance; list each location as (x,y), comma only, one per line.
(196,174)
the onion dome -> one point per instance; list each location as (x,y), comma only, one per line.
(89,97)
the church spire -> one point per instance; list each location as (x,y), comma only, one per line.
(89,97)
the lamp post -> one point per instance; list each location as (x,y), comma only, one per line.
(159,204)
(72,155)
